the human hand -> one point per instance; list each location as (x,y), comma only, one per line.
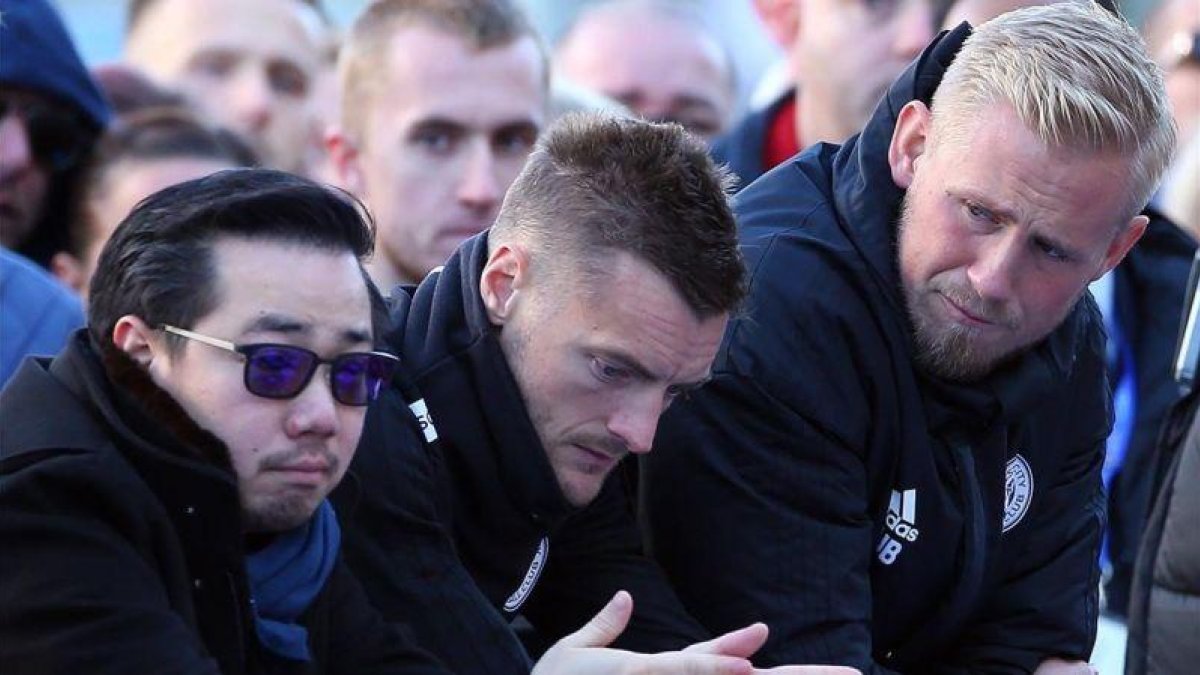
(1061,667)
(586,652)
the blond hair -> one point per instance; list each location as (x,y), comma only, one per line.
(1076,76)
(481,24)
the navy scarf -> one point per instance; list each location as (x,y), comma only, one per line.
(286,576)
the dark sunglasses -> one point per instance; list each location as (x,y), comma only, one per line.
(283,371)
(56,136)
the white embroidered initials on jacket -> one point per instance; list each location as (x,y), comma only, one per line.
(901,526)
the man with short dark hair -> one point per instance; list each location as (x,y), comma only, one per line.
(163,480)
(546,349)
(899,457)
(442,101)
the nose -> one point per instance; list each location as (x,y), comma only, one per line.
(479,188)
(636,423)
(251,100)
(913,28)
(994,269)
(313,411)
(16,155)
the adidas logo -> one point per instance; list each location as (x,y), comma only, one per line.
(901,526)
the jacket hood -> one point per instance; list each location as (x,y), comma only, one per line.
(39,55)
(445,314)
(120,399)
(868,201)
(443,333)
(865,191)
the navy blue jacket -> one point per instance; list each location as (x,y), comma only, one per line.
(871,515)
(487,481)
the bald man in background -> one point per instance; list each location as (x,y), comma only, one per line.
(657,58)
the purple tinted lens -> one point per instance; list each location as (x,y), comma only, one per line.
(358,378)
(279,371)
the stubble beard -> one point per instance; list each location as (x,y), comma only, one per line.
(949,350)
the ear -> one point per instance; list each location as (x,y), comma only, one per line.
(909,142)
(1125,240)
(504,276)
(67,269)
(345,157)
(142,343)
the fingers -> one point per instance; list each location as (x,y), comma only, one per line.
(810,670)
(1061,667)
(692,663)
(742,642)
(605,626)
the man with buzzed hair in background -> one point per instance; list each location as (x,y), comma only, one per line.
(248,66)
(656,57)
(442,101)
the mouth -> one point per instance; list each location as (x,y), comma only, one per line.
(596,461)
(964,315)
(460,232)
(308,471)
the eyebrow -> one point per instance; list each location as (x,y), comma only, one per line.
(516,127)
(689,101)
(286,325)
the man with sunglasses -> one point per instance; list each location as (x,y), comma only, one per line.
(51,112)
(163,480)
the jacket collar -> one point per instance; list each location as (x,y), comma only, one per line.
(445,321)
(132,406)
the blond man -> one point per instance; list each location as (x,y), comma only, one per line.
(898,462)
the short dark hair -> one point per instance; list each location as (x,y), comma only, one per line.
(129,90)
(171,132)
(598,184)
(158,265)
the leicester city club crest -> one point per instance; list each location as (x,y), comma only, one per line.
(1018,491)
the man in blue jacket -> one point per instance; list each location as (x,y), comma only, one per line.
(898,460)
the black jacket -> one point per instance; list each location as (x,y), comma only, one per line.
(872,516)
(394,511)
(1149,287)
(527,548)
(123,549)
